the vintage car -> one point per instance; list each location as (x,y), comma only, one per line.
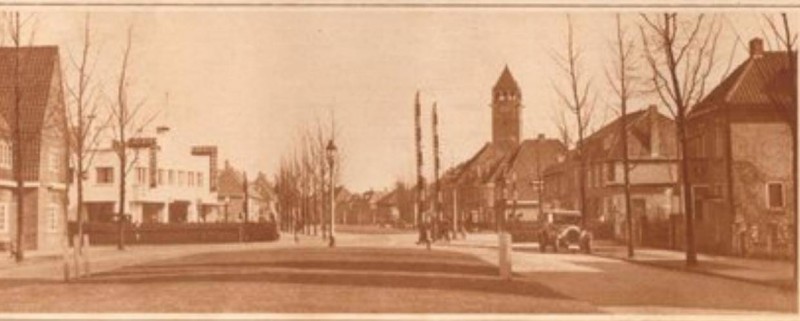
(561,229)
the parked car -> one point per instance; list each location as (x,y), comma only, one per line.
(561,229)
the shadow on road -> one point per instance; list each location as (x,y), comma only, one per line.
(362,267)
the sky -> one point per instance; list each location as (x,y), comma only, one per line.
(249,80)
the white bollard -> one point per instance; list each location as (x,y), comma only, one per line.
(504,248)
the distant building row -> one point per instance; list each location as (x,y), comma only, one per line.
(739,163)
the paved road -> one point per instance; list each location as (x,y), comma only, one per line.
(388,273)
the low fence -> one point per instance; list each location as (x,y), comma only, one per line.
(177,233)
(523,231)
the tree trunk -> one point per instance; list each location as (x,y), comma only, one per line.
(19,255)
(626,180)
(691,252)
(122,188)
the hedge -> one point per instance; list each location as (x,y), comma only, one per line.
(178,233)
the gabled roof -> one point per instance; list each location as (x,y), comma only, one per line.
(389,198)
(37,67)
(755,83)
(606,143)
(483,164)
(545,151)
(506,80)
(231,182)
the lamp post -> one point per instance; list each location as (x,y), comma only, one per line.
(331,153)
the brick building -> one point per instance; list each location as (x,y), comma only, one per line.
(239,201)
(43,144)
(740,158)
(503,178)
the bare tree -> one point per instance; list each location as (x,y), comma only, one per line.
(420,188)
(302,185)
(83,134)
(621,82)
(788,107)
(576,100)
(680,54)
(14,26)
(559,118)
(126,125)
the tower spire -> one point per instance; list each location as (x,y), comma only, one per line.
(506,105)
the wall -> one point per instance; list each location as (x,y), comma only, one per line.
(757,161)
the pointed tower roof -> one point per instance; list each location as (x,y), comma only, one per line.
(506,80)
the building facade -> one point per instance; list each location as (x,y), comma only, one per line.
(166,183)
(43,145)
(653,175)
(740,158)
(239,199)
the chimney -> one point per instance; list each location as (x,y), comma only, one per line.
(756,48)
(162,130)
(655,135)
(540,137)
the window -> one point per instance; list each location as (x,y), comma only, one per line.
(181,178)
(611,172)
(775,195)
(709,141)
(720,149)
(52,217)
(105,175)
(141,175)
(200,179)
(600,175)
(6,155)
(700,146)
(191,178)
(160,177)
(3,217)
(55,161)
(171,177)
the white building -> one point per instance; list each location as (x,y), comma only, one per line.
(166,182)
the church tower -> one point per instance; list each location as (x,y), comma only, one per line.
(506,107)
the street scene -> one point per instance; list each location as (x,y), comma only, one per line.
(418,160)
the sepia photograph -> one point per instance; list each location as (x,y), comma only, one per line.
(398,160)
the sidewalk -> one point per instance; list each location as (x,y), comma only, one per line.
(49,266)
(766,272)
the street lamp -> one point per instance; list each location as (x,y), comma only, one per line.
(331,153)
